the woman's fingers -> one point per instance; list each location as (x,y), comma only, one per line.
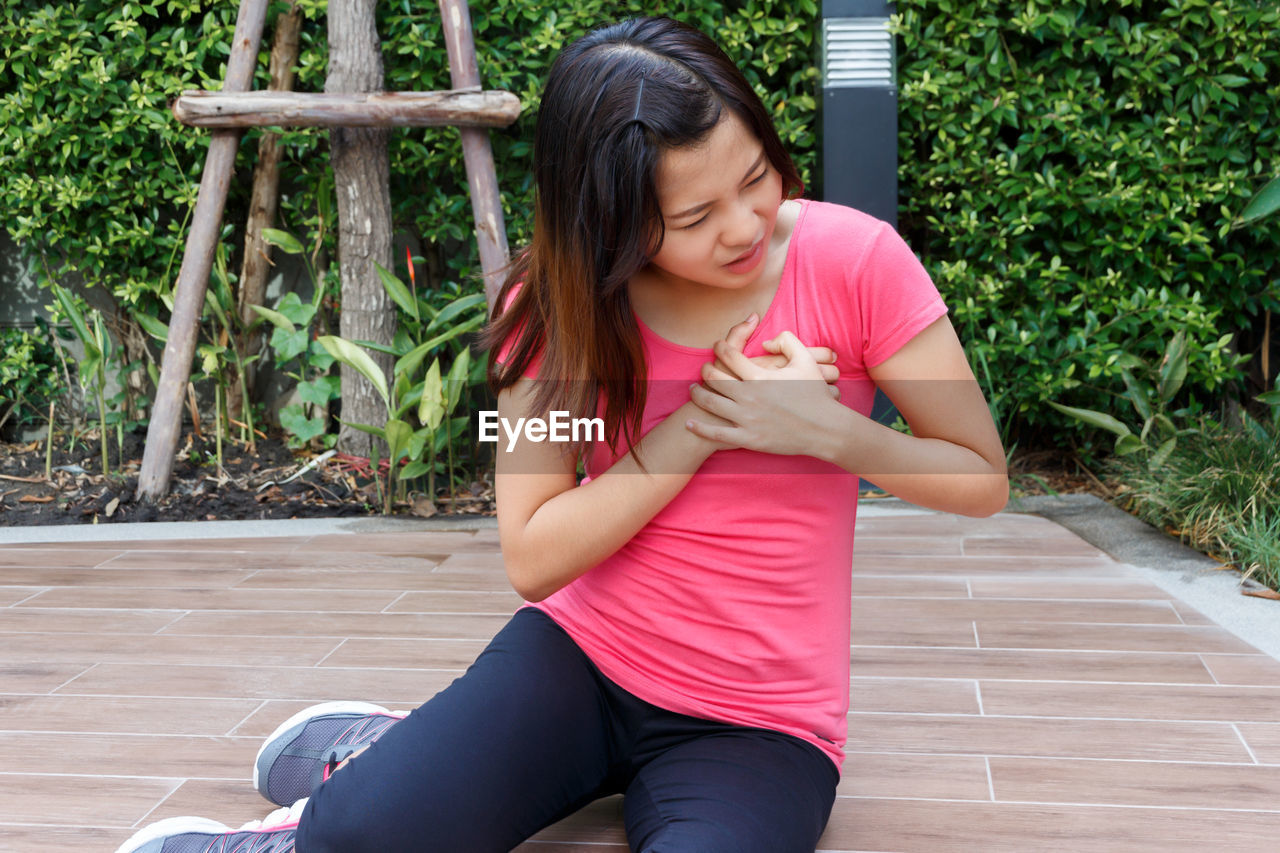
(716,378)
(737,337)
(823,355)
(710,401)
(789,346)
(705,430)
(733,360)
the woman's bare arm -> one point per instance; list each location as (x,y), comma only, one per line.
(952,461)
(553,530)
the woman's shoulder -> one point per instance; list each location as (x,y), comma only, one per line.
(830,213)
(829,232)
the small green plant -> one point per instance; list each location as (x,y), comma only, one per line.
(1219,491)
(1151,391)
(28,375)
(1256,539)
(299,354)
(415,394)
(98,353)
(1272,398)
(218,359)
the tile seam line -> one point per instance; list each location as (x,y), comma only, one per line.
(246,718)
(1041,650)
(1021,757)
(1064,804)
(144,819)
(1244,742)
(1058,719)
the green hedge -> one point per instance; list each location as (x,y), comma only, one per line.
(1071,170)
(96,175)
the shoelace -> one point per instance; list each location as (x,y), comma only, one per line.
(262,840)
(362,733)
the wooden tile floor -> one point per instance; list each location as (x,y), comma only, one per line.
(1014,689)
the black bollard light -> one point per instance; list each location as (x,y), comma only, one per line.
(859,107)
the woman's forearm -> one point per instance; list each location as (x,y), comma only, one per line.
(928,472)
(579,527)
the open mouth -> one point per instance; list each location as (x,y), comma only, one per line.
(747,261)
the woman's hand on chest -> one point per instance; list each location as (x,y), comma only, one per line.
(776,403)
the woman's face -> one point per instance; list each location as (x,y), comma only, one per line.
(719,203)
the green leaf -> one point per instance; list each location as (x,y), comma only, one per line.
(294,420)
(298,312)
(320,391)
(357,359)
(398,292)
(288,345)
(372,430)
(455,308)
(1265,203)
(431,409)
(211,302)
(456,382)
(416,468)
(1162,453)
(283,240)
(152,326)
(417,442)
(1173,369)
(398,434)
(274,317)
(1127,444)
(1271,398)
(318,357)
(1137,395)
(377,347)
(73,314)
(1097,419)
(423,349)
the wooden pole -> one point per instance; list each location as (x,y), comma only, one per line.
(313,109)
(477,153)
(193,277)
(264,204)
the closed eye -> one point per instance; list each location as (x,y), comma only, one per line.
(751,183)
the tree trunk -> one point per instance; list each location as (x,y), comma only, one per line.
(263,207)
(361,174)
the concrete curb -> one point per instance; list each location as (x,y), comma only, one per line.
(235,529)
(1183,572)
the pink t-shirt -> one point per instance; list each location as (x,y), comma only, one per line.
(733,602)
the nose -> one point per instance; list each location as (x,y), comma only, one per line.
(742,228)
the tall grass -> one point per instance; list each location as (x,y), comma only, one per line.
(1219,492)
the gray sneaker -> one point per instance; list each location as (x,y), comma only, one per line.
(275,834)
(306,748)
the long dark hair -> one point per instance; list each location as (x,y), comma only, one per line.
(614,101)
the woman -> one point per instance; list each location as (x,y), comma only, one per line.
(687,638)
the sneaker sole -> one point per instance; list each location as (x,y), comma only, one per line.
(277,741)
(170,826)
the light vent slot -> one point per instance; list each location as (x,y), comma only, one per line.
(857,52)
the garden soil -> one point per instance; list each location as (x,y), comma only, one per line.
(269,482)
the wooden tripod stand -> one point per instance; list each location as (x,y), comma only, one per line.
(235,107)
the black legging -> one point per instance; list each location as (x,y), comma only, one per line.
(532,732)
